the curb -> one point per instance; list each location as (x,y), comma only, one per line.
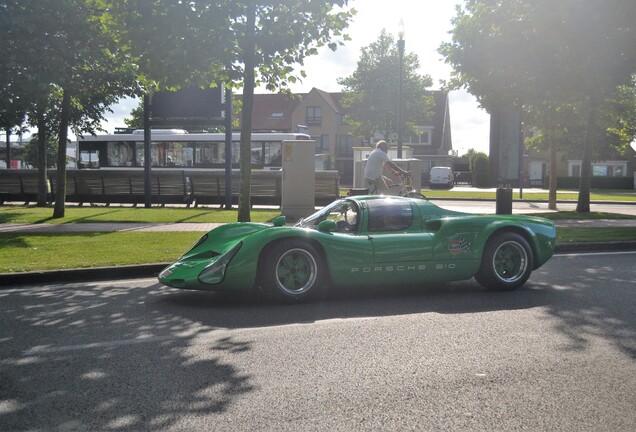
(10,280)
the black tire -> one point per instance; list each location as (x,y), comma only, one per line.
(506,263)
(293,271)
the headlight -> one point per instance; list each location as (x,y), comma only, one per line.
(215,272)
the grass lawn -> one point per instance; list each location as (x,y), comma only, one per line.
(564,215)
(74,214)
(597,195)
(27,252)
(21,252)
(600,234)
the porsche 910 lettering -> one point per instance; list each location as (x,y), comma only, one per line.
(389,268)
(364,241)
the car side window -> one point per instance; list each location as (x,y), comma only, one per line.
(345,216)
(389,215)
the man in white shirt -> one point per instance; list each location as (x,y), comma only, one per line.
(376,162)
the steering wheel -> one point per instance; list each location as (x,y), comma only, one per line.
(343,225)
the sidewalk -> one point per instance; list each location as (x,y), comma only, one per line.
(107,227)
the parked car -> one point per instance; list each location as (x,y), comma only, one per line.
(441,177)
(365,240)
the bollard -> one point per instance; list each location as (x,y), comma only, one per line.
(504,201)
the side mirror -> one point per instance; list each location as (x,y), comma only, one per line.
(327,226)
(279,221)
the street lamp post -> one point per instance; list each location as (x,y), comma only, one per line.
(400,111)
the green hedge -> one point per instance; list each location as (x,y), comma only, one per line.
(481,177)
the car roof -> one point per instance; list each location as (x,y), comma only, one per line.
(425,206)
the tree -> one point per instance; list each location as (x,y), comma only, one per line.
(273,37)
(31,151)
(61,47)
(13,83)
(544,56)
(246,43)
(481,170)
(371,92)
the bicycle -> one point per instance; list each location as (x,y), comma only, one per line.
(403,187)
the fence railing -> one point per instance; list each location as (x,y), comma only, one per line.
(127,186)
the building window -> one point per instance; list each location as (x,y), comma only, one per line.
(322,143)
(600,169)
(345,145)
(422,138)
(314,117)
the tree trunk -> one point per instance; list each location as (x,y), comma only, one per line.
(60,187)
(583,203)
(246,116)
(552,196)
(43,188)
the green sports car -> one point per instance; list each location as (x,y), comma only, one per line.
(365,240)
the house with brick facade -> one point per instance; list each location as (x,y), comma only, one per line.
(319,114)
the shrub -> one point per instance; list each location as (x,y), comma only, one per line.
(481,168)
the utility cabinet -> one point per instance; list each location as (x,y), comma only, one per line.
(298,179)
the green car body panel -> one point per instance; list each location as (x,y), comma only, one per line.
(390,241)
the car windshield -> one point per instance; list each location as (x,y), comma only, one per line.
(344,213)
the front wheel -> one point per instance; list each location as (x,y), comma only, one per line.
(293,271)
(506,263)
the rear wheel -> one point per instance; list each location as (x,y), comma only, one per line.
(507,262)
(293,271)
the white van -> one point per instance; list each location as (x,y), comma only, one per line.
(441,177)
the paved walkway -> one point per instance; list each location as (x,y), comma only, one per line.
(107,227)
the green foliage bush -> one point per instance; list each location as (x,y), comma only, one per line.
(481,168)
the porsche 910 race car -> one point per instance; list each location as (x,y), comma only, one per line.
(365,240)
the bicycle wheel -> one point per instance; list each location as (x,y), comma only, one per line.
(414,194)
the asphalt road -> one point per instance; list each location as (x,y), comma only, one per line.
(558,354)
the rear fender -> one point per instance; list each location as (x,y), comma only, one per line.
(497,227)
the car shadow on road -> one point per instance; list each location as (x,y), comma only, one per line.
(233,311)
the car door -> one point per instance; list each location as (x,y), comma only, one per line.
(392,233)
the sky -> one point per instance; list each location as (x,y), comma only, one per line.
(426,26)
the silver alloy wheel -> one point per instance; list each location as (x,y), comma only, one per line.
(510,261)
(296,271)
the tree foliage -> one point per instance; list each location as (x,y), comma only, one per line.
(371,92)
(31,151)
(546,57)
(246,43)
(60,54)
